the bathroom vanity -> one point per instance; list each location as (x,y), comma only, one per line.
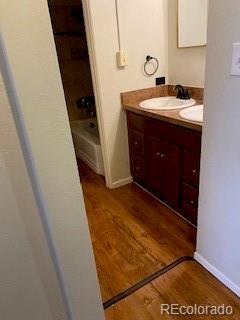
(165,156)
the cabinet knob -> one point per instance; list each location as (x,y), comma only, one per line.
(192,202)
(162,155)
(194,171)
(136,143)
(137,168)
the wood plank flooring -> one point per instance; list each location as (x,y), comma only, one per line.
(133,235)
(187,284)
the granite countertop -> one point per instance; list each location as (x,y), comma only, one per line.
(131,100)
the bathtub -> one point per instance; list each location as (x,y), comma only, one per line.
(87,143)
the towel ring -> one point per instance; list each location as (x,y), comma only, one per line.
(148,59)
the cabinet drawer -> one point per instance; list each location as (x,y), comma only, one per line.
(190,203)
(136,121)
(191,168)
(138,168)
(137,143)
(186,138)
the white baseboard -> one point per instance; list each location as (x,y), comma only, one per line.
(219,275)
(121,183)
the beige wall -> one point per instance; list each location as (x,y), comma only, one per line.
(186,65)
(32,56)
(143,31)
(219,218)
(152,30)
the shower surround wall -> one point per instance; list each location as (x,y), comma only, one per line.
(70,38)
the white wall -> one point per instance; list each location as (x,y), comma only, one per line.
(219,218)
(29,287)
(29,42)
(186,65)
(143,31)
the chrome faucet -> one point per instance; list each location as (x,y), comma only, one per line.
(182,93)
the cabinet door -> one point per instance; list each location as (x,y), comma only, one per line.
(171,181)
(156,153)
(191,168)
(137,143)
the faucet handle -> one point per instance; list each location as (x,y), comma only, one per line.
(182,93)
(177,86)
(187,94)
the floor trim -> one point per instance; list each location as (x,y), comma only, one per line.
(121,183)
(219,275)
(144,282)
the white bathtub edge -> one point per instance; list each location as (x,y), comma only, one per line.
(83,156)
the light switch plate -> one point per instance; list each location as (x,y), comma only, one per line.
(236,60)
(122,59)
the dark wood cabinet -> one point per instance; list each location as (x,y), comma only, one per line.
(156,153)
(138,168)
(189,203)
(191,168)
(165,159)
(137,143)
(172,176)
(162,174)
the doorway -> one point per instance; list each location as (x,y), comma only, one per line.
(127,250)
(73,56)
(136,239)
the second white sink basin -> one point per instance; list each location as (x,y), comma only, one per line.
(194,113)
(166,103)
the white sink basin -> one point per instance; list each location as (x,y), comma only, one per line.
(194,113)
(166,103)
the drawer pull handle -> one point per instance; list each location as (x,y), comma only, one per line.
(194,171)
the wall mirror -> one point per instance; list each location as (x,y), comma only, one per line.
(192,23)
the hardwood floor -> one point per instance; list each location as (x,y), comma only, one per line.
(187,284)
(133,235)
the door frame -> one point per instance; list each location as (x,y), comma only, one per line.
(88,21)
(33,82)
